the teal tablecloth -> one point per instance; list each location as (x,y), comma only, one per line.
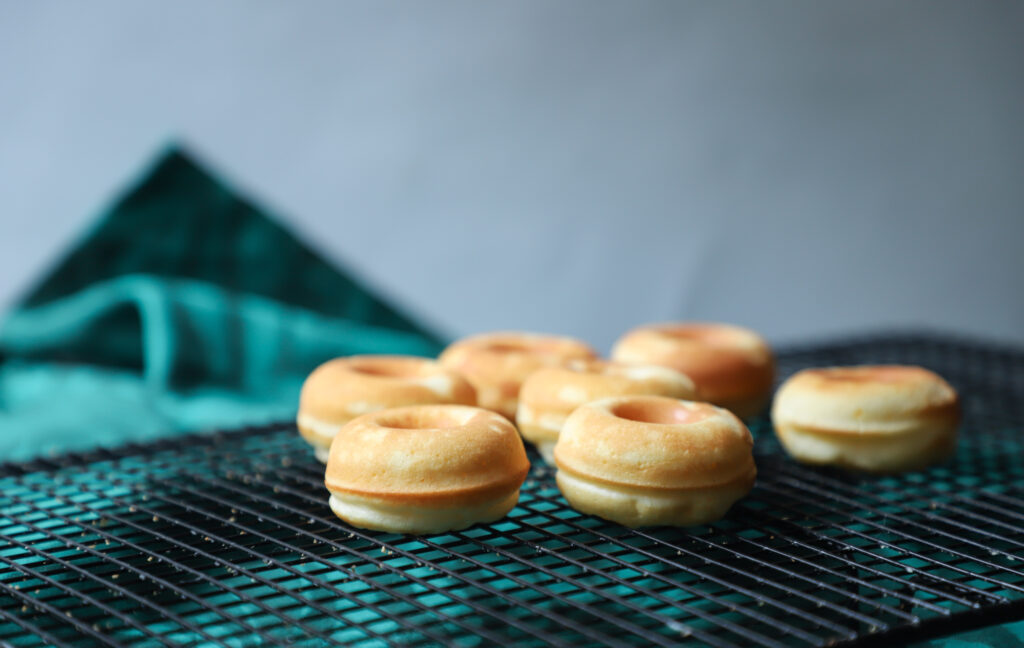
(1008,635)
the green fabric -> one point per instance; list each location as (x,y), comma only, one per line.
(1007,635)
(184,308)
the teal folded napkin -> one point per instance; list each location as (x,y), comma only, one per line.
(186,307)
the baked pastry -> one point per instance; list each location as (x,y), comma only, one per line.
(647,460)
(425,469)
(498,363)
(550,394)
(733,367)
(342,389)
(884,418)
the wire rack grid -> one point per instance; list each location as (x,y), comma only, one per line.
(226,539)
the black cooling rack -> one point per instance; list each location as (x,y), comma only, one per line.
(227,539)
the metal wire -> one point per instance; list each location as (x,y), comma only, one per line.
(227,539)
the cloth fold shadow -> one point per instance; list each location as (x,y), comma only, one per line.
(185,308)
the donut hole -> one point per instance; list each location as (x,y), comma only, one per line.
(421,420)
(872,374)
(657,412)
(711,335)
(510,346)
(386,369)
(633,371)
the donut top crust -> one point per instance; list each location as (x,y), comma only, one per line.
(561,389)
(869,399)
(726,362)
(427,452)
(343,388)
(655,442)
(504,359)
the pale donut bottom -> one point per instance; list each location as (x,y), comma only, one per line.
(547,451)
(396,517)
(318,434)
(636,506)
(913,449)
(322,453)
(542,437)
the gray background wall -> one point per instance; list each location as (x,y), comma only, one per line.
(804,168)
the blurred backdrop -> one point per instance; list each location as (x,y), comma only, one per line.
(803,168)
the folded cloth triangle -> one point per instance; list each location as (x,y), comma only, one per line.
(185,308)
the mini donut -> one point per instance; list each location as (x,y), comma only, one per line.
(882,418)
(733,367)
(341,389)
(550,394)
(425,469)
(497,363)
(650,460)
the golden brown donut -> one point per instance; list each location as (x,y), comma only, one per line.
(733,367)
(342,389)
(883,418)
(648,460)
(550,394)
(425,469)
(498,363)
